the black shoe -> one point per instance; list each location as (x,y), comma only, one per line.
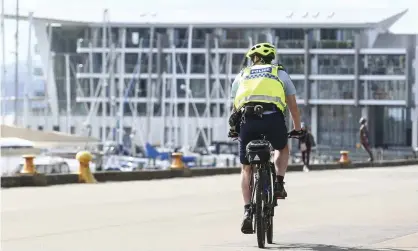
(247,223)
(279,191)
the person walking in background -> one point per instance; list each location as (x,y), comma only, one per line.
(364,137)
(305,146)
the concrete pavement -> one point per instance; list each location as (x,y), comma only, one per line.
(364,209)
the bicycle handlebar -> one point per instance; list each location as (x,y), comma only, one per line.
(289,135)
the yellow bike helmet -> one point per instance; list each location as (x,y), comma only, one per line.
(262,49)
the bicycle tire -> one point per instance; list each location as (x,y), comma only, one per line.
(270,231)
(259,212)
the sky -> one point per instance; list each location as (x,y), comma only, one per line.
(10,31)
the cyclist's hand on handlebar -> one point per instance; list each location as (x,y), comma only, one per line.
(296,134)
(232,133)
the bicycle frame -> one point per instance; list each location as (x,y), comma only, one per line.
(262,170)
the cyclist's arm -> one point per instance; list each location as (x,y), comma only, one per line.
(291,99)
(234,89)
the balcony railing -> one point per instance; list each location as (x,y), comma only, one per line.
(335,70)
(223,43)
(332,44)
(383,71)
(183,43)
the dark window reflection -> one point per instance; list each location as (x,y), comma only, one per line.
(386,89)
(338,126)
(333,64)
(332,89)
(383,64)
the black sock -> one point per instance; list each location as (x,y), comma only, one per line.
(280,178)
(247,206)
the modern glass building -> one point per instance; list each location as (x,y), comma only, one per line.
(164,77)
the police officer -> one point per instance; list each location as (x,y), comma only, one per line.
(266,84)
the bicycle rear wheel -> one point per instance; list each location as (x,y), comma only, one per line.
(270,230)
(272,199)
(259,211)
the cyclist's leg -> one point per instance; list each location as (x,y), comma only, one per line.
(276,133)
(247,133)
(304,153)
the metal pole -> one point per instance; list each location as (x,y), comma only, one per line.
(16,102)
(50,65)
(228,101)
(68,91)
(186,140)
(30,76)
(150,94)
(163,109)
(217,79)
(121,87)
(104,72)
(175,99)
(207,86)
(111,97)
(3,58)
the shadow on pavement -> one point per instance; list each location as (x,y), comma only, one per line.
(323,247)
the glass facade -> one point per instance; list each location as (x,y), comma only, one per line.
(332,89)
(325,74)
(383,64)
(383,90)
(389,126)
(333,64)
(338,125)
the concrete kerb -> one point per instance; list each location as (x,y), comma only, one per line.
(57,179)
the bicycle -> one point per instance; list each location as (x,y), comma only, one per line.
(262,184)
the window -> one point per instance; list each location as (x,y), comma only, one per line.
(198,63)
(300,88)
(294,64)
(332,89)
(338,125)
(383,64)
(333,64)
(198,88)
(386,89)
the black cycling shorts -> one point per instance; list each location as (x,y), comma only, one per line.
(273,126)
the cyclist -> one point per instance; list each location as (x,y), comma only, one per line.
(268,85)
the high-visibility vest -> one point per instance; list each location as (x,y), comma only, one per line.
(260,83)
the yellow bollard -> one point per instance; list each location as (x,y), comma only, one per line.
(28,167)
(344,157)
(176,161)
(84,173)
